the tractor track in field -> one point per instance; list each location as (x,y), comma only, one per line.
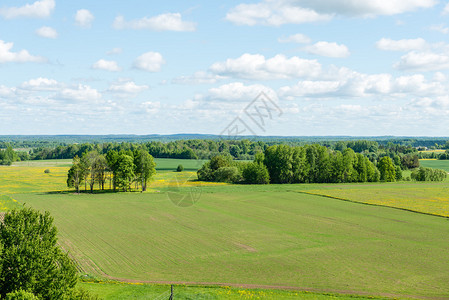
(277,287)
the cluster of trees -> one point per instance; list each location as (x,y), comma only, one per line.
(8,156)
(121,169)
(428,174)
(32,265)
(301,164)
(314,164)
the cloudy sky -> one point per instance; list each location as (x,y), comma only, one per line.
(332,67)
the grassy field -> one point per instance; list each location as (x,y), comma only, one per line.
(237,235)
(293,236)
(437,164)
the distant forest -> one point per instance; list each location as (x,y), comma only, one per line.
(399,149)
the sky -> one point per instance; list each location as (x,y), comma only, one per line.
(264,67)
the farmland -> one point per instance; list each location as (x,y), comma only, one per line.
(284,236)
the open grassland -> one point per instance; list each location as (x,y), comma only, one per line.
(436,164)
(258,235)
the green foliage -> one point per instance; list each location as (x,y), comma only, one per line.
(125,171)
(144,167)
(428,174)
(387,169)
(255,173)
(180,168)
(76,174)
(227,174)
(31,259)
(47,171)
(21,295)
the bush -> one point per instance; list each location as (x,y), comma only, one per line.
(255,173)
(31,259)
(227,174)
(47,171)
(21,295)
(180,168)
(428,174)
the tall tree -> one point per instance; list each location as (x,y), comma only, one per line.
(387,169)
(76,174)
(124,172)
(145,167)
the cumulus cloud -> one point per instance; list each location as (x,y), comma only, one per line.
(256,66)
(6,55)
(84,18)
(423,61)
(295,38)
(366,8)
(163,22)
(401,45)
(276,13)
(440,28)
(40,84)
(199,77)
(79,93)
(150,107)
(328,49)
(107,65)
(47,32)
(39,9)
(114,51)
(237,91)
(127,87)
(446,9)
(273,13)
(150,61)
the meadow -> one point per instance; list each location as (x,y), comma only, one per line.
(248,238)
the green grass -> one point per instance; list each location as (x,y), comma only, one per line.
(121,290)
(169,164)
(254,235)
(436,164)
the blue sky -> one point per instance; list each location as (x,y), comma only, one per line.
(333,67)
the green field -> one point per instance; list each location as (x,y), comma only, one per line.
(437,164)
(299,237)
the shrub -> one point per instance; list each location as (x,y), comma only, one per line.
(180,168)
(227,174)
(21,295)
(47,171)
(255,173)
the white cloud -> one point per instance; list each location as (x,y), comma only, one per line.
(366,8)
(150,61)
(22,56)
(401,45)
(40,84)
(295,38)
(107,65)
(256,66)
(273,13)
(128,87)
(47,32)
(84,18)
(328,49)
(276,13)
(150,107)
(164,22)
(114,51)
(440,28)
(423,61)
(237,91)
(199,77)
(79,93)
(446,9)
(6,92)
(39,9)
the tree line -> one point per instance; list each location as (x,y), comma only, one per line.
(307,164)
(120,169)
